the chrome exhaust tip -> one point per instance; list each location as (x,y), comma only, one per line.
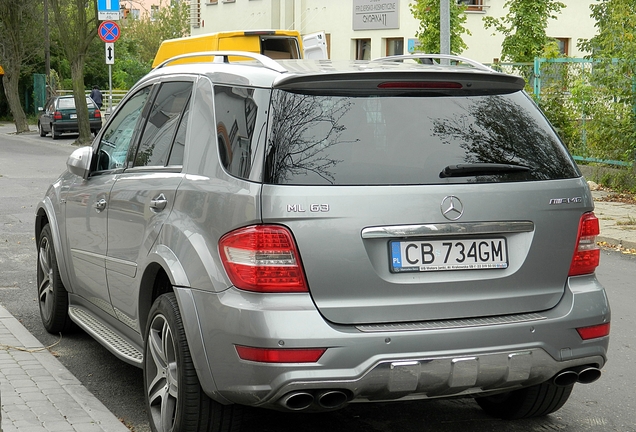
(297,401)
(565,378)
(589,375)
(332,399)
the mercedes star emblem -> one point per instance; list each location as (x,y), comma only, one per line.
(452,208)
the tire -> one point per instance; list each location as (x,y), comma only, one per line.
(55,134)
(534,401)
(175,401)
(41,129)
(52,296)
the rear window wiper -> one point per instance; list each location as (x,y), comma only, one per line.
(476,169)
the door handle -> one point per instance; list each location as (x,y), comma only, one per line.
(100,205)
(159,203)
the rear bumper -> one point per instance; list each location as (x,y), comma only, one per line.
(62,126)
(477,358)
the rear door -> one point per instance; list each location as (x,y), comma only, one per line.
(423,206)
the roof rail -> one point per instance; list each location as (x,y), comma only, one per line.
(431,57)
(224,57)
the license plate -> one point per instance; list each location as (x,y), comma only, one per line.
(440,255)
(73,116)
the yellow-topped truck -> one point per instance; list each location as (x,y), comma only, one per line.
(277,44)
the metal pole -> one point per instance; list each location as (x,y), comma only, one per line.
(444,29)
(110,88)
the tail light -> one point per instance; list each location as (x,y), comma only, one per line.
(420,85)
(98,114)
(262,258)
(57,115)
(587,254)
(594,332)
(278,355)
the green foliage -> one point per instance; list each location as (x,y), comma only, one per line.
(561,113)
(524,28)
(611,98)
(617,179)
(428,13)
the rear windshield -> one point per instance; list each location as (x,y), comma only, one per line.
(384,140)
(69,103)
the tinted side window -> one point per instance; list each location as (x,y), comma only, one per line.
(162,123)
(382,140)
(178,148)
(114,145)
(236,112)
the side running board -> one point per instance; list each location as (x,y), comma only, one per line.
(111,340)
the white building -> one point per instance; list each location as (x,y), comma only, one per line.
(358,29)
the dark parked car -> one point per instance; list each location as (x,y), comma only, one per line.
(59,116)
(299,235)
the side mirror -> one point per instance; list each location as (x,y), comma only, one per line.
(40,109)
(79,162)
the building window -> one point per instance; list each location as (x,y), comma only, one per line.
(154,12)
(564,46)
(212,2)
(394,46)
(472,5)
(363,49)
(195,13)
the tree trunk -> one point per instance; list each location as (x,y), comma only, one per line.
(11,91)
(79,92)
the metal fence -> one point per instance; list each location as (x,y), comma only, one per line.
(108,106)
(560,79)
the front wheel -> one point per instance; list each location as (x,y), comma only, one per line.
(52,296)
(534,401)
(175,400)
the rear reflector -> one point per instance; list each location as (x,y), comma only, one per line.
(593,332)
(274,355)
(587,254)
(262,258)
(420,85)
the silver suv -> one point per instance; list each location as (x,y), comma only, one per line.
(298,235)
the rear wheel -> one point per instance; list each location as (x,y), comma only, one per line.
(175,400)
(535,401)
(52,296)
(41,129)
(54,133)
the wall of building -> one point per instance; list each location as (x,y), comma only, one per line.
(336,18)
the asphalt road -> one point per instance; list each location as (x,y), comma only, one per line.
(29,164)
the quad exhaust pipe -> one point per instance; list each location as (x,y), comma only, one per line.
(322,400)
(584,375)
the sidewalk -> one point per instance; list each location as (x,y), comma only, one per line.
(617,220)
(38,393)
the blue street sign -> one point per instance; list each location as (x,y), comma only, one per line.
(107,9)
(108,5)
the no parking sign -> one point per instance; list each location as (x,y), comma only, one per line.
(109,31)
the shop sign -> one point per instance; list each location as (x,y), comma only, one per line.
(376,14)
